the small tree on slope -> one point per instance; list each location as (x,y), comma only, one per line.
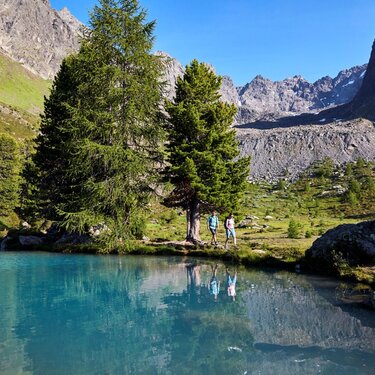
(202,149)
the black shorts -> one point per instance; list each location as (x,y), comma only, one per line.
(213,230)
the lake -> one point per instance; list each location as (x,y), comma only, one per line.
(83,314)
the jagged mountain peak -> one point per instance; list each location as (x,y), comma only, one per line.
(36,35)
(368,86)
(260,78)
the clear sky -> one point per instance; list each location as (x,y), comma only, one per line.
(274,38)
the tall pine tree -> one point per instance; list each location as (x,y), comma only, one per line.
(107,119)
(10,166)
(203,151)
(49,182)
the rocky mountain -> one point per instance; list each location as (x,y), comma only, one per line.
(363,104)
(265,99)
(172,70)
(293,149)
(343,133)
(36,35)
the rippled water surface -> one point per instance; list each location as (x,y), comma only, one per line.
(72,314)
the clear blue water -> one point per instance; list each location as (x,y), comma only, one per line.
(72,314)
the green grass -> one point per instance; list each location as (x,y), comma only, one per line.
(21,99)
(315,210)
(21,89)
(18,123)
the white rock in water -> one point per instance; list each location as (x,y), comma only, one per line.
(234,348)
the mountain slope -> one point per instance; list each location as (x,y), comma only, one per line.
(20,88)
(36,35)
(21,99)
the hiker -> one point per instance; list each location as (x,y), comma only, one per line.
(229,230)
(231,284)
(213,226)
(214,285)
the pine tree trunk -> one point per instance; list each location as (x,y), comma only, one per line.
(193,222)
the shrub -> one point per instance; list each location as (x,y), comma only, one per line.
(294,229)
(281,185)
(354,186)
(308,234)
(351,198)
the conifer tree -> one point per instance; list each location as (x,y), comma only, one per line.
(48,179)
(107,119)
(203,151)
(10,164)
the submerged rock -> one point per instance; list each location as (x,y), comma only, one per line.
(30,240)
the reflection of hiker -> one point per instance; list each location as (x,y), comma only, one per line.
(214,285)
(213,226)
(231,284)
(229,229)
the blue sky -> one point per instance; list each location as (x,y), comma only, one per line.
(274,38)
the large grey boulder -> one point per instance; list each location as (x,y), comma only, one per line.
(355,243)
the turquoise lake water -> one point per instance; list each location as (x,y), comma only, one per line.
(73,314)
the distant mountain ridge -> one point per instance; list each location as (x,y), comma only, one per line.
(263,99)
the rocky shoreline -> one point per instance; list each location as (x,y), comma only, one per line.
(347,251)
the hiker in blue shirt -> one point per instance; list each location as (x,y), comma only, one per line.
(213,226)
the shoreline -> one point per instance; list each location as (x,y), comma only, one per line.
(255,258)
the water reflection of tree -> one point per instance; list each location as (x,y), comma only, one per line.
(120,330)
(209,336)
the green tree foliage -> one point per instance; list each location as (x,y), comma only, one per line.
(325,168)
(203,152)
(10,165)
(281,184)
(349,170)
(354,186)
(294,229)
(351,198)
(49,181)
(101,128)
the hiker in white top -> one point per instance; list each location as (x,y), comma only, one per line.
(229,230)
